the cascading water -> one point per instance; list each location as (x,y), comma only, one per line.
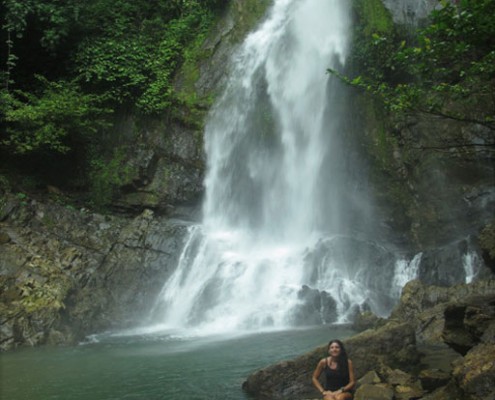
(273,249)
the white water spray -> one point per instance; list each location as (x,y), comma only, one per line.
(270,252)
(471,264)
(405,271)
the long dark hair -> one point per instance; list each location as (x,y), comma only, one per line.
(342,360)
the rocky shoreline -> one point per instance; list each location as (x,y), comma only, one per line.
(438,344)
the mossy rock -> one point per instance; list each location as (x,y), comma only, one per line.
(374,16)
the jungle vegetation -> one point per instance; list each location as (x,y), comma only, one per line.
(445,68)
(68,67)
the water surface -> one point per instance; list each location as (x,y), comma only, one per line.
(152,367)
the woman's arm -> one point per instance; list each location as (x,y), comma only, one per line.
(316,375)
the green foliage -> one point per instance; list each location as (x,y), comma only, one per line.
(136,58)
(45,120)
(447,69)
(374,17)
(69,64)
(55,18)
(125,51)
(107,175)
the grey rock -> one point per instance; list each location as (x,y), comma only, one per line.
(374,392)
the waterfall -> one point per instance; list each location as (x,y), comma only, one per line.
(405,271)
(471,264)
(274,248)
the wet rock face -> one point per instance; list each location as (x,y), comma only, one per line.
(444,266)
(410,12)
(316,307)
(68,273)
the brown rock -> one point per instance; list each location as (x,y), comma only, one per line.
(432,379)
(448,392)
(393,344)
(374,392)
(475,373)
(423,306)
(366,320)
(465,323)
(371,378)
(4,238)
(408,392)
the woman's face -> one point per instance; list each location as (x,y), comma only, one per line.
(334,349)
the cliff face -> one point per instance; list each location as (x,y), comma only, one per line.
(66,273)
(432,176)
(165,155)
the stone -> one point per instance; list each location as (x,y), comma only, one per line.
(96,272)
(366,320)
(393,344)
(316,307)
(370,378)
(465,323)
(374,392)
(489,334)
(408,392)
(432,379)
(475,373)
(447,392)
(4,238)
(424,306)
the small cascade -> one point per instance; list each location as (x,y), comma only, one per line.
(471,264)
(404,272)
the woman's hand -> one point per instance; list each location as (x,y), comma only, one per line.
(329,395)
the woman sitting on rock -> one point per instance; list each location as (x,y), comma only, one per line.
(339,373)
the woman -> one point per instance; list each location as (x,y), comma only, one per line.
(339,373)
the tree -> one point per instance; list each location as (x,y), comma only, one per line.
(447,69)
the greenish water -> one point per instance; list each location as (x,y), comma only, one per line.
(152,367)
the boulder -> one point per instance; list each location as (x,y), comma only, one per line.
(374,392)
(370,378)
(475,373)
(447,392)
(393,344)
(315,307)
(366,320)
(432,379)
(424,306)
(466,323)
(405,385)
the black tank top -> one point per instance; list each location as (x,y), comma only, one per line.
(335,378)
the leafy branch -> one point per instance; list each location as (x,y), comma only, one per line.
(446,70)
